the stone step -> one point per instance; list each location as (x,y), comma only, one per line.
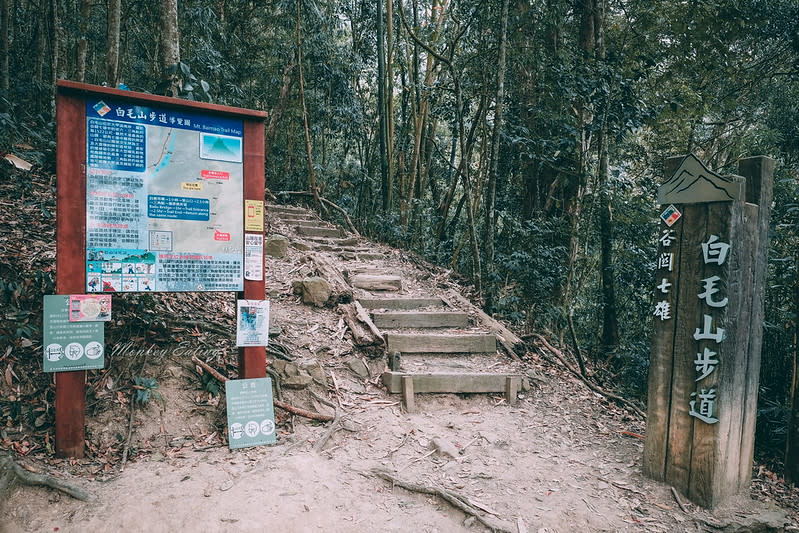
(455,343)
(439,382)
(424,319)
(315,231)
(372,282)
(286,210)
(400,303)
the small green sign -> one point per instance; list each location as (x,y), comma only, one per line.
(70,345)
(250,412)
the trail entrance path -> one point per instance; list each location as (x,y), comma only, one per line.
(562,459)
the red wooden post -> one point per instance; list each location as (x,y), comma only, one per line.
(70,392)
(252,360)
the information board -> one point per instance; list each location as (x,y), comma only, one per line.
(250,412)
(70,345)
(164,197)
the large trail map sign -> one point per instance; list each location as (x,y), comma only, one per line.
(164,193)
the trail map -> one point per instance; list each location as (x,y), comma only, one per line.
(164,200)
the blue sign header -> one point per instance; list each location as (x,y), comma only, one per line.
(167,118)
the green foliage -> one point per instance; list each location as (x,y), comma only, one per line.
(146,390)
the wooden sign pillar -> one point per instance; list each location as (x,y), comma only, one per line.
(708,307)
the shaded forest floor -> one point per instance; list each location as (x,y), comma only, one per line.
(563,459)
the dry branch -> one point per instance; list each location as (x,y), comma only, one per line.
(506,337)
(286,407)
(327,202)
(459,501)
(593,386)
(364,332)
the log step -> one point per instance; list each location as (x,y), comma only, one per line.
(400,303)
(304,222)
(410,383)
(460,343)
(372,282)
(345,241)
(429,319)
(371,257)
(313,231)
(286,210)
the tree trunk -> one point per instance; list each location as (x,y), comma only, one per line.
(277,112)
(792,440)
(170,44)
(83,41)
(55,40)
(389,101)
(112,57)
(312,183)
(381,109)
(496,134)
(5,43)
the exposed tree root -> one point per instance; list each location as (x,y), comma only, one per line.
(459,501)
(11,473)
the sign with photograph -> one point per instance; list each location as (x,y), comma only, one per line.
(252,323)
(70,345)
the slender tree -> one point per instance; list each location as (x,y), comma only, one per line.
(496,134)
(5,43)
(112,54)
(170,44)
(82,48)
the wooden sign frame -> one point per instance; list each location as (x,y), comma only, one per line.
(70,396)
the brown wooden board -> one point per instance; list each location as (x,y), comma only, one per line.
(252,359)
(286,210)
(400,303)
(449,382)
(419,319)
(371,282)
(759,172)
(70,390)
(662,361)
(687,319)
(461,343)
(662,353)
(318,232)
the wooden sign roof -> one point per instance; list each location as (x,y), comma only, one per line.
(694,183)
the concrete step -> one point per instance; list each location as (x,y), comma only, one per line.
(400,303)
(431,343)
(424,319)
(409,384)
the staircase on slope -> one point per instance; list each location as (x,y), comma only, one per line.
(320,235)
(432,345)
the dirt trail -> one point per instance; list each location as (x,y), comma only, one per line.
(563,459)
